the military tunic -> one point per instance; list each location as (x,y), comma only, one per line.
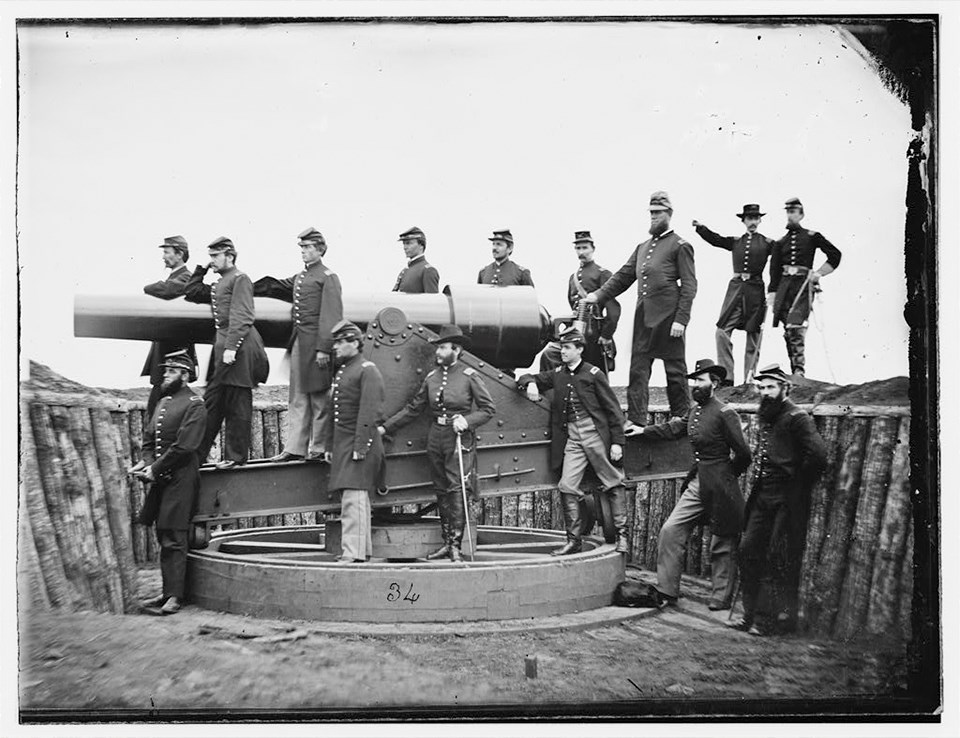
(714,432)
(418,277)
(357,396)
(231,303)
(317,300)
(790,262)
(448,391)
(744,306)
(170,441)
(657,265)
(506,274)
(591,277)
(167,289)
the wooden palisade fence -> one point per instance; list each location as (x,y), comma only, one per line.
(79,547)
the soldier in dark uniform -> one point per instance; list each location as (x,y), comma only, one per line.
(176,254)
(451,391)
(663,269)
(601,323)
(744,306)
(711,491)
(503,272)
(239,362)
(789,458)
(793,280)
(417,277)
(357,463)
(169,461)
(587,430)
(317,307)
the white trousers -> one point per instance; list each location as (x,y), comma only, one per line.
(307,413)
(355,525)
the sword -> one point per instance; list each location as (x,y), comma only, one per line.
(466,504)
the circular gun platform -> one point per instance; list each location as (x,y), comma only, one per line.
(287,572)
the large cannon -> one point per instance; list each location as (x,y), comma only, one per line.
(508,328)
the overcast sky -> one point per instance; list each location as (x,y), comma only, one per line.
(129,134)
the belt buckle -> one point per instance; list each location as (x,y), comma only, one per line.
(744,276)
(792,271)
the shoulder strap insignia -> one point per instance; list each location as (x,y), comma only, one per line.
(594,370)
(367,363)
(196,398)
(431,373)
(469,371)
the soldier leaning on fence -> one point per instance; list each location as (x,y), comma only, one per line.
(711,492)
(317,306)
(789,458)
(586,429)
(239,362)
(169,461)
(417,277)
(744,306)
(793,280)
(450,391)
(357,458)
(176,254)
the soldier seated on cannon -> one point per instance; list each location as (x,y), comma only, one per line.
(587,429)
(451,391)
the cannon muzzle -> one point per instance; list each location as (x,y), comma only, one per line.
(507,326)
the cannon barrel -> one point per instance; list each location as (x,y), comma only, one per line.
(507,326)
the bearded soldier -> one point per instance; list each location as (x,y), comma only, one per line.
(239,362)
(417,277)
(357,460)
(789,458)
(451,391)
(744,306)
(793,280)
(169,461)
(711,491)
(666,280)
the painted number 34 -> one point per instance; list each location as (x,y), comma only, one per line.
(395,593)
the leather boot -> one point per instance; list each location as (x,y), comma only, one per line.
(457,523)
(444,551)
(571,517)
(795,337)
(618,509)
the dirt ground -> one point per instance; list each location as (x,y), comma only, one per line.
(216,662)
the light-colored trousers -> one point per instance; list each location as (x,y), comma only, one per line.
(673,539)
(751,353)
(585,447)
(307,414)
(355,524)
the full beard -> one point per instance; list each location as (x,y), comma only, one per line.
(447,360)
(173,387)
(658,229)
(701,395)
(770,407)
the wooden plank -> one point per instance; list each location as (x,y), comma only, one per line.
(875,479)
(508,514)
(896,527)
(541,508)
(271,433)
(525,507)
(641,514)
(109,452)
(256,435)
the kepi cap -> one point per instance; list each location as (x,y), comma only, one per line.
(793,202)
(345,330)
(773,371)
(310,235)
(412,233)
(572,335)
(179,360)
(708,366)
(660,200)
(179,243)
(223,244)
(582,237)
(503,235)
